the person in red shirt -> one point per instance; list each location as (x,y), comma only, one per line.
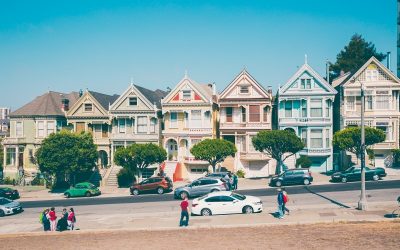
(71,219)
(184,221)
(53,219)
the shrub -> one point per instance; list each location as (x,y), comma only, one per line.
(303,161)
(8,181)
(240,173)
(125,178)
(396,158)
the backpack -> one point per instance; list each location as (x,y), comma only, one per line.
(285,198)
(41,218)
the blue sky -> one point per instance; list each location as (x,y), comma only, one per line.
(70,45)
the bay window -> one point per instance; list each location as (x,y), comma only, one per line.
(142,124)
(382,102)
(195,121)
(10,156)
(303,108)
(288,109)
(121,125)
(229,114)
(254,113)
(316,108)
(316,138)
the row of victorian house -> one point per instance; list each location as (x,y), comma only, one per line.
(191,112)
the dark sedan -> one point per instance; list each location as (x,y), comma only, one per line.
(9,193)
(354,174)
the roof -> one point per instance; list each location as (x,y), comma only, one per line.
(48,104)
(153,96)
(104,100)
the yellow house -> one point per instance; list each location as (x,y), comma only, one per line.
(190,115)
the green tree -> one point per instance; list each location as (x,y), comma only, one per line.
(349,139)
(137,157)
(276,143)
(354,55)
(66,155)
(303,161)
(213,151)
(396,158)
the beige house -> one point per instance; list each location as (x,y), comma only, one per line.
(382,100)
(190,115)
(29,125)
(245,109)
(90,114)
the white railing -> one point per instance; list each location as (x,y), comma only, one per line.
(200,130)
(317,150)
(245,125)
(304,119)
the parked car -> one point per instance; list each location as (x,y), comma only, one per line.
(8,207)
(9,193)
(354,174)
(152,184)
(292,176)
(219,175)
(200,187)
(86,189)
(226,202)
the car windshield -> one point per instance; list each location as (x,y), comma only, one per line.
(349,169)
(238,196)
(4,201)
(203,197)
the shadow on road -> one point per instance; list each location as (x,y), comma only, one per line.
(327,198)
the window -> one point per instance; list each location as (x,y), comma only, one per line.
(40,128)
(79,127)
(244,89)
(207,117)
(254,113)
(226,199)
(265,112)
(327,138)
(243,111)
(121,125)
(186,119)
(316,138)
(251,146)
(195,120)
(213,199)
(50,128)
(371,74)
(304,136)
(19,129)
(382,102)
(88,107)
(174,120)
(198,170)
(305,84)
(316,108)
(327,108)
(303,108)
(142,124)
(132,101)
(104,130)
(186,94)
(153,123)
(229,112)
(288,108)
(351,103)
(308,83)
(369,102)
(384,126)
(10,156)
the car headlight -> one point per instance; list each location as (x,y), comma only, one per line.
(8,208)
(257,203)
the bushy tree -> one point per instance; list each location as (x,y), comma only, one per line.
(354,55)
(277,143)
(213,151)
(137,157)
(67,155)
(396,158)
(349,139)
(303,161)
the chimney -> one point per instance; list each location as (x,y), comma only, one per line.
(64,104)
(341,72)
(214,88)
(80,92)
(388,60)
(270,89)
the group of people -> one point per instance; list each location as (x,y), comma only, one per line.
(48,218)
(232,181)
(283,198)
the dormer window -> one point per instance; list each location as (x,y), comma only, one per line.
(371,74)
(132,101)
(186,94)
(244,89)
(305,83)
(88,107)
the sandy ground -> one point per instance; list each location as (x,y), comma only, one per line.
(362,235)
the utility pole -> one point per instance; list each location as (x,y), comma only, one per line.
(362,203)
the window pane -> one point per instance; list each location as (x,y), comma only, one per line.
(244,90)
(40,126)
(316,108)
(132,101)
(288,109)
(229,112)
(254,113)
(196,119)
(316,138)
(121,125)
(174,120)
(50,128)
(186,94)
(142,124)
(88,107)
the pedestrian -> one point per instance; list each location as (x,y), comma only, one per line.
(53,219)
(184,221)
(285,200)
(229,182)
(235,182)
(43,218)
(280,203)
(71,219)
(62,223)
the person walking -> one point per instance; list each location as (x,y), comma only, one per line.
(71,219)
(235,182)
(280,203)
(285,200)
(184,221)
(45,220)
(53,219)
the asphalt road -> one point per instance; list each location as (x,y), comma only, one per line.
(332,187)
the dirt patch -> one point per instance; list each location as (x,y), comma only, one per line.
(378,235)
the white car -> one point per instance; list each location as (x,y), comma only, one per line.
(9,207)
(225,202)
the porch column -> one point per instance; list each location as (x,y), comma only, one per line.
(17,156)
(135,126)
(148,124)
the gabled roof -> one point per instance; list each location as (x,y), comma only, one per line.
(48,104)
(104,100)
(312,72)
(154,97)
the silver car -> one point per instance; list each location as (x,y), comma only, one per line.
(9,207)
(200,187)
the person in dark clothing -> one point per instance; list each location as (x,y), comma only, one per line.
(45,220)
(235,182)
(62,223)
(280,200)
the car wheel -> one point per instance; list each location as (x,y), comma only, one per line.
(2,213)
(68,195)
(375,177)
(278,183)
(248,210)
(214,190)
(88,194)
(160,190)
(135,191)
(183,195)
(344,179)
(306,182)
(206,212)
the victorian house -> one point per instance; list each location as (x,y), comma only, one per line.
(305,107)
(245,109)
(90,114)
(29,125)
(381,90)
(190,115)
